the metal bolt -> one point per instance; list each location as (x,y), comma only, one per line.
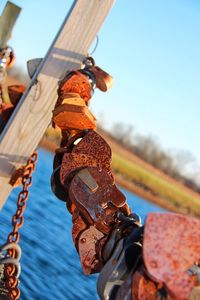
(83,240)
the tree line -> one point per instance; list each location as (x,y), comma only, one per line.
(172,163)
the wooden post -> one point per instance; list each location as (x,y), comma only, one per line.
(7,22)
(33,114)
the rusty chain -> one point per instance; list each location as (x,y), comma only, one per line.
(12,281)
(6,61)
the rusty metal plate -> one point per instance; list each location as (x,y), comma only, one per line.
(94,145)
(67,145)
(100,205)
(78,227)
(92,150)
(104,81)
(66,95)
(144,289)
(70,116)
(76,82)
(171,247)
(72,162)
(87,250)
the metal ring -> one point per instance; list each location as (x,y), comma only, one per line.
(89,61)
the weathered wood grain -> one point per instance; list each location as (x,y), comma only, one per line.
(33,114)
(7,22)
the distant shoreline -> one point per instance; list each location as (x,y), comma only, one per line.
(133,188)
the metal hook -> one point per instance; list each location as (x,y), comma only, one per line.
(10,246)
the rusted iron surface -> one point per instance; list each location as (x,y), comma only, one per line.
(94,145)
(82,166)
(99,206)
(67,145)
(171,247)
(87,250)
(78,227)
(74,162)
(87,185)
(73,117)
(71,112)
(145,289)
(15,92)
(103,80)
(76,82)
(83,178)
(92,150)
(61,98)
(16,178)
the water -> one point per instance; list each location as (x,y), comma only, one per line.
(50,264)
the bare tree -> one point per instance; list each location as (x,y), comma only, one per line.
(123,133)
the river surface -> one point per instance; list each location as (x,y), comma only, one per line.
(50,264)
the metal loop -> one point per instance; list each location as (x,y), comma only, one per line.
(9,270)
(17,223)
(26,181)
(11,246)
(29,168)
(12,282)
(23,195)
(17,219)
(14,237)
(12,261)
(20,209)
(33,158)
(14,294)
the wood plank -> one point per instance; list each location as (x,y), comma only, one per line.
(33,114)
(7,22)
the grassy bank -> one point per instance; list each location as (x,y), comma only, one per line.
(157,187)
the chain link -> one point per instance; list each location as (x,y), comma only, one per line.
(12,281)
(6,58)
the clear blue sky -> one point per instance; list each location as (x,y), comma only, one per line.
(152,48)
